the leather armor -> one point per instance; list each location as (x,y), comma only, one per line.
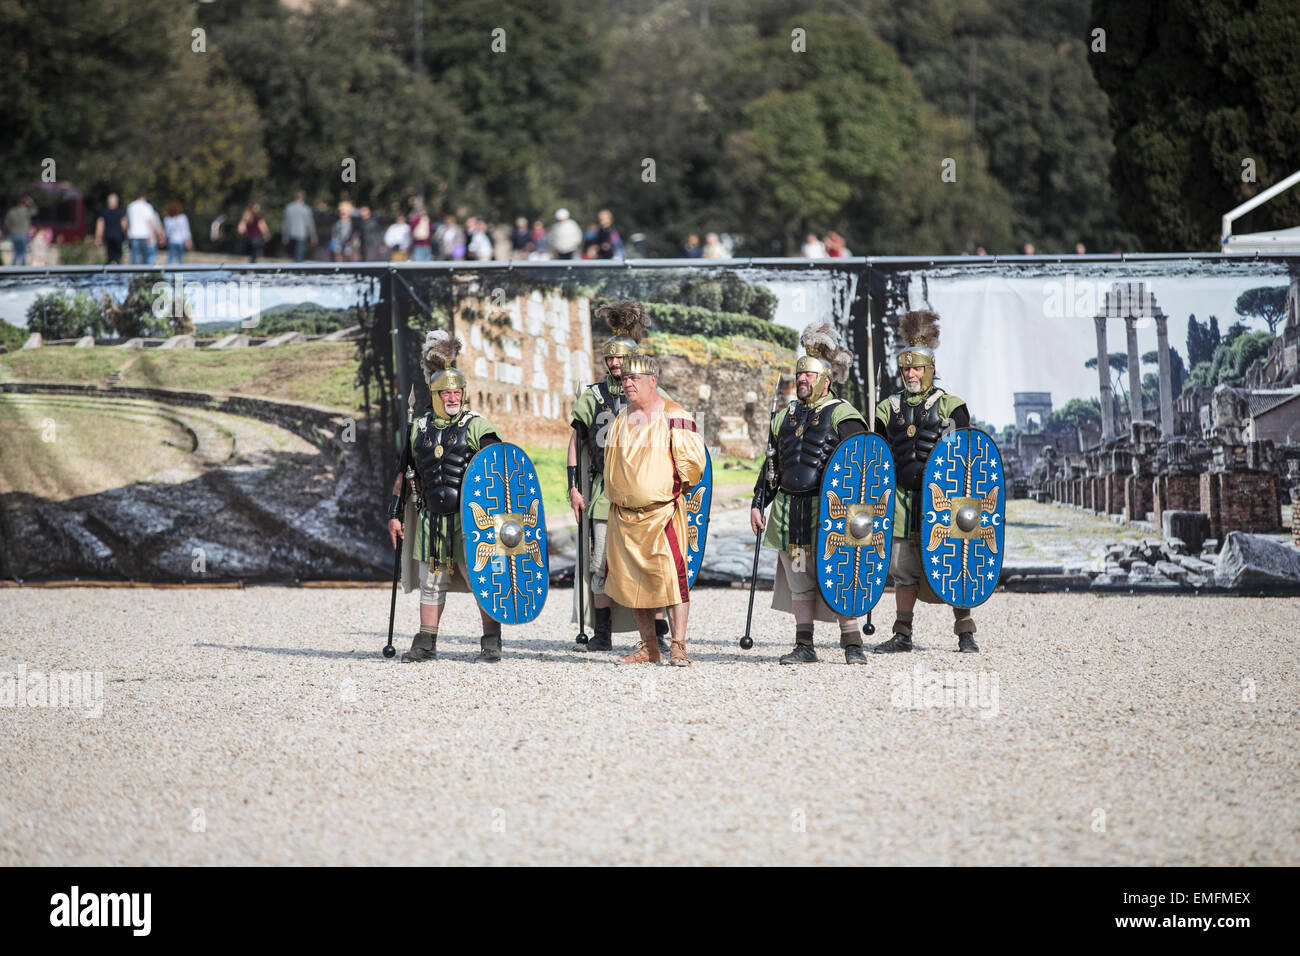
(440,456)
(608,405)
(804,445)
(912,432)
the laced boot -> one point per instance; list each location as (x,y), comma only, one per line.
(898,643)
(424,647)
(489,649)
(600,634)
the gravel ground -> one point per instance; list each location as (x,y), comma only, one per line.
(262,726)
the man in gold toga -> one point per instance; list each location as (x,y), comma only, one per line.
(652,453)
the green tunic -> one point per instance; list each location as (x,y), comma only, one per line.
(584,411)
(778,522)
(904,526)
(478,428)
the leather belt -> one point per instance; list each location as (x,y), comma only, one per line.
(650,507)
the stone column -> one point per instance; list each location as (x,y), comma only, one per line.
(1166,379)
(1103,381)
(1134,371)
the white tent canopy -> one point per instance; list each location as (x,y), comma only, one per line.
(1265,243)
(1283,240)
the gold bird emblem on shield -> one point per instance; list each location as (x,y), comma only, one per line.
(961,512)
(694,501)
(837,510)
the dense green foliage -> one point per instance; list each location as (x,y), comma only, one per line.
(1075,412)
(764,119)
(1202,340)
(693,320)
(12,337)
(1203,94)
(143,312)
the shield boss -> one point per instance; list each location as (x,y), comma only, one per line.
(967,518)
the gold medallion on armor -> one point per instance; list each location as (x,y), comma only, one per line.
(437,451)
(799,432)
(911,430)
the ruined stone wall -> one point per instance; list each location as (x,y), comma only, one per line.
(1237,501)
(1175,493)
(525,363)
(1138,498)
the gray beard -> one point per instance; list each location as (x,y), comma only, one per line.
(912,389)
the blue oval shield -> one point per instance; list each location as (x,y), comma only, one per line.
(504,526)
(963,512)
(698,501)
(855,533)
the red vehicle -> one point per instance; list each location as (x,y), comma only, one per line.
(59,207)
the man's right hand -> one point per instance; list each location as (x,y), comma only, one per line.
(395,531)
(577,503)
(757,521)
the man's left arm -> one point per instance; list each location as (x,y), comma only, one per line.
(482,433)
(954,409)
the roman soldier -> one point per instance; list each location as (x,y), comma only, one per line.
(593,414)
(913,422)
(440,445)
(802,438)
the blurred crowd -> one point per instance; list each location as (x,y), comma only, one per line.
(346,232)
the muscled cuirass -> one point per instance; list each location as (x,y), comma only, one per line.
(608,405)
(441,456)
(913,431)
(804,445)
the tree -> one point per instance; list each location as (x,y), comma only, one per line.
(1177,373)
(523,74)
(1118,362)
(1264,302)
(64,315)
(68,69)
(1236,352)
(1197,88)
(191,139)
(1075,412)
(340,111)
(11,336)
(139,314)
(1202,340)
(844,140)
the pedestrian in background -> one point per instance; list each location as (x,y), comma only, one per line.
(566,237)
(18,227)
(143,230)
(299,226)
(177,229)
(398,239)
(421,232)
(110,230)
(254,230)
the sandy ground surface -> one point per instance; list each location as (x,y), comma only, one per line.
(262,726)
